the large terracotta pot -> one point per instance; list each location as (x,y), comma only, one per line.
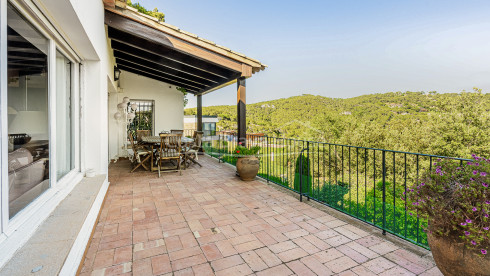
(454,259)
(247,167)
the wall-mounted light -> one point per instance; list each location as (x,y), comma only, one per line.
(117,73)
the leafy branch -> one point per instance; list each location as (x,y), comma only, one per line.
(155,13)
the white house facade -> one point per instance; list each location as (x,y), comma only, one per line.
(59,101)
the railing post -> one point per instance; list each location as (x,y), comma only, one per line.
(267,159)
(384,193)
(301,175)
(308,166)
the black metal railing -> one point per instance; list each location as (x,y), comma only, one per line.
(366,183)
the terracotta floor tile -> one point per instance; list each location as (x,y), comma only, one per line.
(208,222)
(292,254)
(188,262)
(316,266)
(277,270)
(211,252)
(299,268)
(379,265)
(341,264)
(269,258)
(242,269)
(227,262)
(203,270)
(123,254)
(254,261)
(104,258)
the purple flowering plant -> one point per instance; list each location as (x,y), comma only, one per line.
(456,200)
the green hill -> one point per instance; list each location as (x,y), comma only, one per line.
(442,124)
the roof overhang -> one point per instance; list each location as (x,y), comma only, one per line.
(160,51)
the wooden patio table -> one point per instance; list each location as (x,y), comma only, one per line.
(154,141)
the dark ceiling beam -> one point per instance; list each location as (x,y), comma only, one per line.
(28,61)
(158,78)
(219,85)
(154,34)
(163,49)
(20,44)
(22,65)
(14,57)
(26,50)
(159,73)
(26,55)
(162,69)
(164,61)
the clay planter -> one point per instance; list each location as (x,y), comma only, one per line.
(454,259)
(247,167)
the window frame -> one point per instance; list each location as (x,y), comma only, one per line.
(3,116)
(33,14)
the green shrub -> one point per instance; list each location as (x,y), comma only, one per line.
(302,171)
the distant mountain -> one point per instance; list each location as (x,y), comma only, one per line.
(444,124)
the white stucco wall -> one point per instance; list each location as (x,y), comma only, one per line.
(81,22)
(169,106)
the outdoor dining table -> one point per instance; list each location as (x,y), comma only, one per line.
(154,141)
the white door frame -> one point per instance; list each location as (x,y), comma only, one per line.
(3,118)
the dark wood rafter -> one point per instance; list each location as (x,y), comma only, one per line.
(156,72)
(163,69)
(123,48)
(219,85)
(189,89)
(143,30)
(21,54)
(165,50)
(24,58)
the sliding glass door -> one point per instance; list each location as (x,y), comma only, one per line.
(28,128)
(64,131)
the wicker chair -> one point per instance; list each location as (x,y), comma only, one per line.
(193,151)
(170,149)
(138,154)
(142,133)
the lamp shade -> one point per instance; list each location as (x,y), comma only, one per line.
(117,73)
(121,105)
(131,116)
(134,106)
(126,100)
(117,115)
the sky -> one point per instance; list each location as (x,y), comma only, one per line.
(343,48)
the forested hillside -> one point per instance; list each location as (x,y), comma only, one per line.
(443,124)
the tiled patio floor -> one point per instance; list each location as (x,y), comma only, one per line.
(209,222)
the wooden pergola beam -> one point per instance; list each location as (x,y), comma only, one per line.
(163,69)
(159,74)
(189,89)
(119,21)
(122,48)
(163,49)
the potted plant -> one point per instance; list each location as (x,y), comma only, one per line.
(455,198)
(247,163)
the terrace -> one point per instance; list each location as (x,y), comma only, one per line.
(207,222)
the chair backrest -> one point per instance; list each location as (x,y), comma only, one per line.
(142,133)
(170,143)
(177,131)
(198,138)
(133,145)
